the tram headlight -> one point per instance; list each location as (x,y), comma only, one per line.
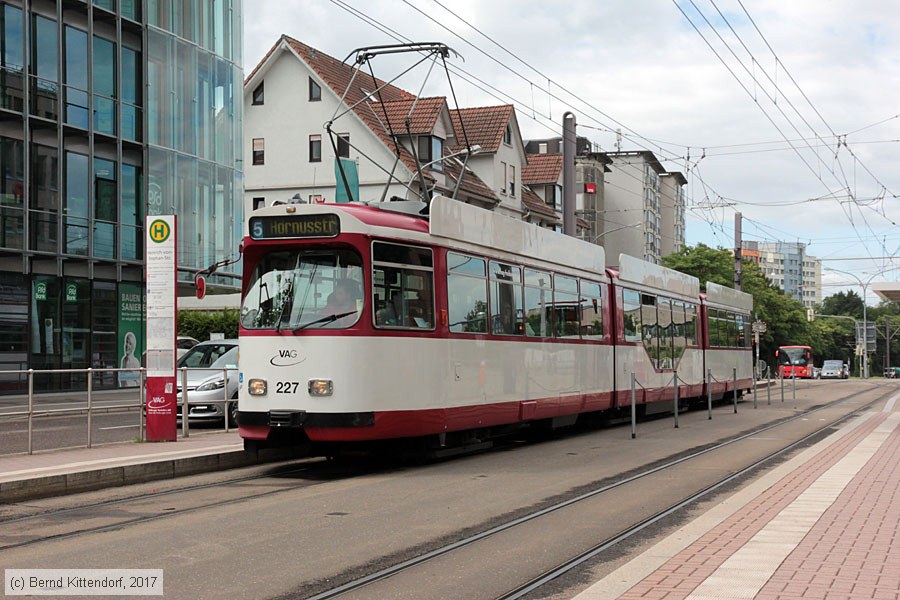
(257,387)
(320,387)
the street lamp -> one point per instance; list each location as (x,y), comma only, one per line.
(865,288)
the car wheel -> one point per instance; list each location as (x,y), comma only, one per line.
(233,412)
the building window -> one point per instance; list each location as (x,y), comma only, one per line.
(259,94)
(259,202)
(315,148)
(512,181)
(424,149)
(503,177)
(507,136)
(315,92)
(431,149)
(343,145)
(542,148)
(259,151)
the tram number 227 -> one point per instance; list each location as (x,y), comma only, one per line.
(287,387)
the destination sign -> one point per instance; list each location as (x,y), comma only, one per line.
(294,226)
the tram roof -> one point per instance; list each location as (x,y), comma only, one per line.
(455,220)
(728,297)
(635,270)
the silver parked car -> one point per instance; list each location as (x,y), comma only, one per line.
(834,369)
(207,386)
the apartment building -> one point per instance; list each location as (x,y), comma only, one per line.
(789,267)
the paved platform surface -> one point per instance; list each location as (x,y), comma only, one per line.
(58,472)
(823,525)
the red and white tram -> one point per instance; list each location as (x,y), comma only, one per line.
(371,322)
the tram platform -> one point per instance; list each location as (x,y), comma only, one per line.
(67,471)
(825,524)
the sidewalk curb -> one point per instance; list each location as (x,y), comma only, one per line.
(62,484)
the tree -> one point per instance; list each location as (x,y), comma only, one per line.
(843,303)
(785,317)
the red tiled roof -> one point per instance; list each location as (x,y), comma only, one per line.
(338,75)
(533,202)
(422,120)
(483,125)
(542,168)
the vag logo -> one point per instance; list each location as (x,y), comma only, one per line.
(286,358)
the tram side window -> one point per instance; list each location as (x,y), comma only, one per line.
(741,325)
(731,327)
(591,311)
(402,286)
(690,324)
(467,293)
(678,326)
(712,320)
(649,326)
(665,334)
(506,299)
(538,298)
(566,313)
(631,307)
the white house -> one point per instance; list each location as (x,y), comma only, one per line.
(301,112)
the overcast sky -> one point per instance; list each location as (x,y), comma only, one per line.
(798,129)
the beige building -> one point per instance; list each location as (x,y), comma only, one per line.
(671,212)
(788,266)
(632,220)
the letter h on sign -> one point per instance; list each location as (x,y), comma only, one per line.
(158,230)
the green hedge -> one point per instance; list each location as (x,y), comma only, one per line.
(199,325)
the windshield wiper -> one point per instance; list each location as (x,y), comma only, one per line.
(328,319)
(288,299)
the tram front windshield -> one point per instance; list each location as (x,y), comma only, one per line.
(299,289)
(792,356)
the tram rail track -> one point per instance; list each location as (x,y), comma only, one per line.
(329,472)
(73,512)
(534,584)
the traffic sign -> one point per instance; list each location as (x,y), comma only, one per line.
(758,327)
(200,283)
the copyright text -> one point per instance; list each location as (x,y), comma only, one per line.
(83,582)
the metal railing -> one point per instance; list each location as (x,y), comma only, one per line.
(707,382)
(31,409)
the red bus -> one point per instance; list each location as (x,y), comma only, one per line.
(795,361)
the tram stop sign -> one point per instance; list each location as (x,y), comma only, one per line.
(758,327)
(200,284)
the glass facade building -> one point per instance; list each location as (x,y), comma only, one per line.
(110,110)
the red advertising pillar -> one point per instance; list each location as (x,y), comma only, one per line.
(162,325)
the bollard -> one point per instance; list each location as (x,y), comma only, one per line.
(754,390)
(143,400)
(782,387)
(709,392)
(90,389)
(768,386)
(184,403)
(30,411)
(794,388)
(633,410)
(734,390)
(675,380)
(225,391)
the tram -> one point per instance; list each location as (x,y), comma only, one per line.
(451,324)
